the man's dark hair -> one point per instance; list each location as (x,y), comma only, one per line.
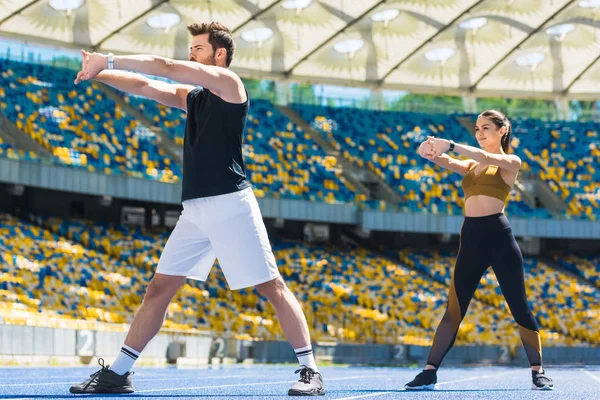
(219,36)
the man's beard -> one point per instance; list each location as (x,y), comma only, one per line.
(210,60)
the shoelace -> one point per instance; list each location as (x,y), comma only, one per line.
(306,374)
(95,375)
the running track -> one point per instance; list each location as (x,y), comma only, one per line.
(272,382)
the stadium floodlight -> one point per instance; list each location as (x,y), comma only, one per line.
(66,5)
(296,4)
(589,3)
(560,31)
(164,21)
(350,46)
(257,35)
(530,60)
(473,24)
(441,54)
(385,16)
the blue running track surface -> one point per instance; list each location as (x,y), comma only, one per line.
(272,382)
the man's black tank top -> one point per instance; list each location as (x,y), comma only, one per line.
(213,163)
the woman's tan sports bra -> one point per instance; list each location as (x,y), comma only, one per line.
(489,182)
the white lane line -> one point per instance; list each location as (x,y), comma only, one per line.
(594,377)
(240,385)
(199,377)
(440,383)
(37,384)
(363,396)
(41,377)
(139,380)
(479,377)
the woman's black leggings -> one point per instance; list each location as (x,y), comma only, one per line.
(487,241)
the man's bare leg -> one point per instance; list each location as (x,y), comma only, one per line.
(294,326)
(148,320)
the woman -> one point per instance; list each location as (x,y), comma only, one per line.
(486,240)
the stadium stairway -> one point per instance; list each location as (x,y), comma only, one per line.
(19,140)
(162,139)
(549,260)
(364,180)
(548,199)
(467,122)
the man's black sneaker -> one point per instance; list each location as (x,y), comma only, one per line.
(104,381)
(541,381)
(425,380)
(309,384)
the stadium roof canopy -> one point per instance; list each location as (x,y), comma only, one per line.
(532,48)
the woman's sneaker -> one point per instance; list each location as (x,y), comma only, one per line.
(426,380)
(541,381)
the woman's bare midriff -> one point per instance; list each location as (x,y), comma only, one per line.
(481,206)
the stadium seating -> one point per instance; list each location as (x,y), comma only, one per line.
(349,294)
(282,160)
(588,267)
(559,302)
(78,124)
(370,284)
(565,155)
(46,275)
(170,120)
(57,278)
(6,150)
(83,128)
(386,143)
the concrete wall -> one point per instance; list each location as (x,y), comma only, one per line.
(21,342)
(61,178)
(266,352)
(27,341)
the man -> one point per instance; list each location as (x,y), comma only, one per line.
(220,218)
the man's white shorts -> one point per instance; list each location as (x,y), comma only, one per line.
(228,227)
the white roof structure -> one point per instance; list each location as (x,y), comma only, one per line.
(516,48)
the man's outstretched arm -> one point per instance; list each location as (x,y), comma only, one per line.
(168,94)
(221,81)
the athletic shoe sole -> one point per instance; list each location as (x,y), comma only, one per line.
(119,390)
(424,387)
(545,387)
(319,392)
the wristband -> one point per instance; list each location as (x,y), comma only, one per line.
(451,146)
(111,61)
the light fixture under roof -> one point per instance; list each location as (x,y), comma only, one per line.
(530,60)
(441,54)
(589,3)
(349,46)
(65,5)
(473,23)
(296,4)
(164,21)
(385,15)
(560,30)
(257,35)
